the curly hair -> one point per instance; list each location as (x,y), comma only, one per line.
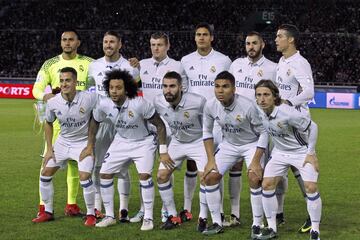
(131,87)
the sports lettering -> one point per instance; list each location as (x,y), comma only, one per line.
(202,83)
(15,90)
(152,85)
(123,124)
(177,125)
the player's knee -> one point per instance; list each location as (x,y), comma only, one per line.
(191,166)
(237,167)
(310,187)
(163,176)
(48,172)
(84,176)
(254,180)
(144,176)
(106,176)
(268,184)
(212,178)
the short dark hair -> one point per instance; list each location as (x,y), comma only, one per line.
(113,33)
(227,76)
(131,86)
(158,35)
(173,75)
(206,25)
(255,33)
(292,31)
(69,69)
(273,88)
(71,30)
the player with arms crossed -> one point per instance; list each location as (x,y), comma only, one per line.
(294,136)
(133,141)
(112,60)
(243,138)
(49,76)
(183,113)
(296,84)
(73,109)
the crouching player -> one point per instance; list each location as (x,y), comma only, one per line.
(133,142)
(73,109)
(294,136)
(183,112)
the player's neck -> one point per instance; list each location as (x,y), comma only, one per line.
(289,52)
(177,101)
(204,51)
(227,104)
(121,101)
(159,59)
(113,58)
(254,60)
(68,56)
(269,110)
(69,97)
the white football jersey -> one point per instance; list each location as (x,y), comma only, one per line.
(73,116)
(152,73)
(202,70)
(185,121)
(247,74)
(99,67)
(295,80)
(240,123)
(130,119)
(287,128)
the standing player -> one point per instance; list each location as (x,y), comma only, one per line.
(73,109)
(49,76)
(152,71)
(201,68)
(243,138)
(295,82)
(133,142)
(183,113)
(294,136)
(112,60)
(247,72)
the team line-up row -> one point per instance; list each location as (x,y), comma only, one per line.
(217,113)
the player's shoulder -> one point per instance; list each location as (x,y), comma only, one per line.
(51,62)
(270,63)
(188,57)
(146,61)
(85,58)
(194,97)
(220,55)
(54,100)
(239,61)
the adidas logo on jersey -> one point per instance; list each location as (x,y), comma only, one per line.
(110,115)
(100,74)
(217,118)
(191,68)
(240,70)
(58,113)
(146,73)
(166,115)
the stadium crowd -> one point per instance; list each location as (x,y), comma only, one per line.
(329,30)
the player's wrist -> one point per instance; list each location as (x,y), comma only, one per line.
(163,148)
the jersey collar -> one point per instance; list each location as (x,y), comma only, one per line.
(257,63)
(274,113)
(75,101)
(207,56)
(163,62)
(290,59)
(233,104)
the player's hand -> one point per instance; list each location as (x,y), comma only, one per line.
(167,161)
(87,151)
(255,168)
(48,155)
(312,159)
(210,166)
(48,96)
(134,62)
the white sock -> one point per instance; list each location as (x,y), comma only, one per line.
(190,180)
(142,209)
(147,191)
(235,186)
(256,206)
(270,207)
(47,192)
(314,207)
(280,193)
(203,204)
(163,207)
(107,195)
(124,192)
(89,195)
(96,180)
(167,197)
(213,198)
(221,188)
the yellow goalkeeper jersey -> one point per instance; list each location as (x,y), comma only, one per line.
(49,73)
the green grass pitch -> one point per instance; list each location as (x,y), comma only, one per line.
(339,155)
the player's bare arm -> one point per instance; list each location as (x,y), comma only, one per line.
(161,131)
(255,166)
(211,164)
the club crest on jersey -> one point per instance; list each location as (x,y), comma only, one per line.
(131,114)
(238,118)
(82,110)
(288,72)
(260,73)
(212,69)
(81,68)
(186,114)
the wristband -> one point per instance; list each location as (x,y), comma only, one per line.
(162,148)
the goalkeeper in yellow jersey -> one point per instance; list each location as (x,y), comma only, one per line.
(49,76)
